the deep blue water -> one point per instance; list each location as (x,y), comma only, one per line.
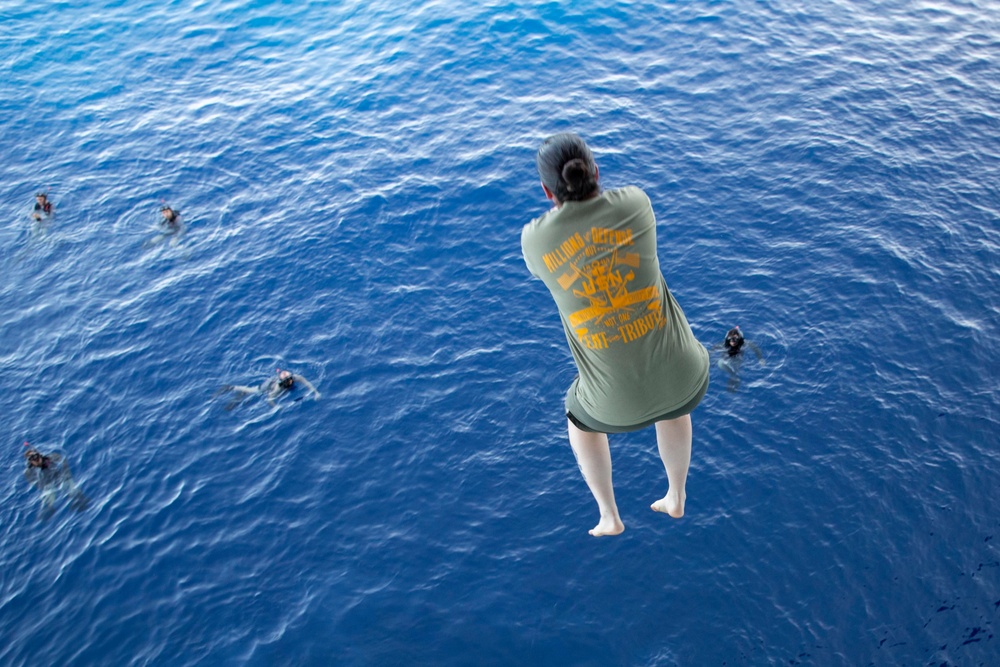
(354,177)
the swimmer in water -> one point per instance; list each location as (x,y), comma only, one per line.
(732,360)
(170,227)
(43,207)
(272,388)
(50,474)
(171,218)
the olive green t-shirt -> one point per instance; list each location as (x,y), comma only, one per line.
(633,347)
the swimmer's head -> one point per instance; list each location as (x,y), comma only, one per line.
(41,197)
(169,214)
(35,458)
(567,168)
(734,339)
(285,379)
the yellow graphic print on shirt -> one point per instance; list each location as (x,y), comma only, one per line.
(598,267)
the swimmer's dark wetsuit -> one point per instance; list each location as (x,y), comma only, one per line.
(49,478)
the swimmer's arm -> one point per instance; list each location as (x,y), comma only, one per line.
(62,464)
(756,350)
(299,378)
(60,467)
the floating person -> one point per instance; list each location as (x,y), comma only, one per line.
(43,207)
(50,474)
(272,388)
(637,360)
(171,218)
(170,226)
(732,358)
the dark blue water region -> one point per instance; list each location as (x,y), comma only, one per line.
(353,179)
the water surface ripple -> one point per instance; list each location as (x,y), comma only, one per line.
(353,178)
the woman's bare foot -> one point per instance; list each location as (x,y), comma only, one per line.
(608,526)
(672,504)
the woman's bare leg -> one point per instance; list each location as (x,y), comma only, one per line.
(673,439)
(593,455)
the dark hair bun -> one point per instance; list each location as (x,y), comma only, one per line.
(575,175)
(567,167)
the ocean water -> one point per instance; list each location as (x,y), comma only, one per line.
(353,178)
